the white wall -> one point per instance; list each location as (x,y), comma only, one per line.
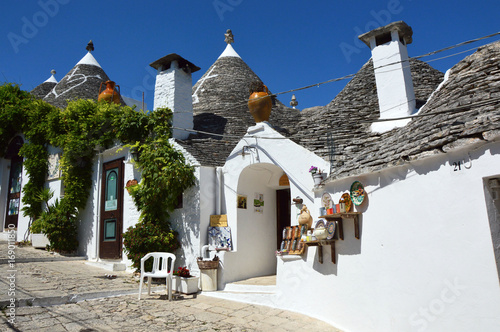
(192,221)
(425,258)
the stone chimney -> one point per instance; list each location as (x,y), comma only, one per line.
(396,97)
(173,90)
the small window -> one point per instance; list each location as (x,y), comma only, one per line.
(109,229)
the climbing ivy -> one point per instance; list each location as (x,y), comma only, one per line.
(165,176)
(81,129)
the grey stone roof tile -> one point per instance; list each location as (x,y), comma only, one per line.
(472,80)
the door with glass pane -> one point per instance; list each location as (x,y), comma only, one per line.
(14,194)
(111,210)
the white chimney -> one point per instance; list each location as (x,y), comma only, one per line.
(395,93)
(173,89)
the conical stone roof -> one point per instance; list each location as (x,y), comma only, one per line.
(220,97)
(220,106)
(82,82)
(43,89)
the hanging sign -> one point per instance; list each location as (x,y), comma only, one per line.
(218,220)
(284,180)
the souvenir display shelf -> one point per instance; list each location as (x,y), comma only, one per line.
(320,244)
(339,217)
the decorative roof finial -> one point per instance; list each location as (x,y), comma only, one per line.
(229,37)
(53,72)
(294,102)
(90,46)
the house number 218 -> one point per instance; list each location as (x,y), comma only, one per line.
(459,165)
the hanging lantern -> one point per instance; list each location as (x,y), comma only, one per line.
(110,94)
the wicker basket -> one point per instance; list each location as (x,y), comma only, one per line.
(207,265)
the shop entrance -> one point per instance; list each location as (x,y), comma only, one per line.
(110,244)
(283,211)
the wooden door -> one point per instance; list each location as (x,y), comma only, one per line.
(14,193)
(111,223)
(283,211)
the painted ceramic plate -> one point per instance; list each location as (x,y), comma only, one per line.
(326,201)
(320,224)
(346,198)
(357,193)
(330,229)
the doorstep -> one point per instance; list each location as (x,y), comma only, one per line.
(110,266)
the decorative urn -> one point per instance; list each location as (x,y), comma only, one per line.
(260,102)
(110,94)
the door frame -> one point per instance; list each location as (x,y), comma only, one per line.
(12,154)
(112,249)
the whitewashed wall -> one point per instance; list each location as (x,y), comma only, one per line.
(192,221)
(241,176)
(425,259)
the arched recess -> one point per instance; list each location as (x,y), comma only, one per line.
(257,226)
(13,200)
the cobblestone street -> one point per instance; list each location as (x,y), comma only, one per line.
(126,313)
(56,294)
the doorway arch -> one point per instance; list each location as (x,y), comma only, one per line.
(257,225)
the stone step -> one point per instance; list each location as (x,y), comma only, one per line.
(242,288)
(109,266)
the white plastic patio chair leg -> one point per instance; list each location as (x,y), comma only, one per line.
(169,287)
(149,285)
(140,287)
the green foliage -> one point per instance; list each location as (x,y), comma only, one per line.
(165,175)
(147,237)
(82,128)
(44,195)
(14,104)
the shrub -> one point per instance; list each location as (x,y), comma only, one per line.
(147,237)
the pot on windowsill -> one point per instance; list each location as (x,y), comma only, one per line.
(185,285)
(39,240)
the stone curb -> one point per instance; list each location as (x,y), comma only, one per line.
(73,298)
(43,259)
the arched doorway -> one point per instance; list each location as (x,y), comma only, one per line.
(259,225)
(15,182)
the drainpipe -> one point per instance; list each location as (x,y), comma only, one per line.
(218,190)
(98,206)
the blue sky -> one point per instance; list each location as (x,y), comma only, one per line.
(288,44)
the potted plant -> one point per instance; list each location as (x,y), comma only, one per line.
(39,226)
(184,282)
(38,239)
(317,175)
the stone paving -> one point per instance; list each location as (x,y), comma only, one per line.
(74,296)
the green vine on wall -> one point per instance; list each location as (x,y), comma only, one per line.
(81,129)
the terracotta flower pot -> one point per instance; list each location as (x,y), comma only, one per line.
(260,105)
(110,94)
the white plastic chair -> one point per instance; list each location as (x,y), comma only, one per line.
(163,267)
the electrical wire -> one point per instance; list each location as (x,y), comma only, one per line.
(243,103)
